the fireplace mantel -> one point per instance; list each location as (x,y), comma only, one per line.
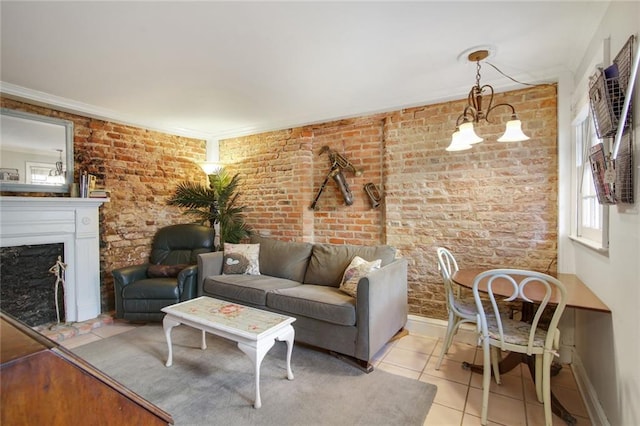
(72,221)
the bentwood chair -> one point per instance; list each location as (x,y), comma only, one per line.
(531,337)
(461,310)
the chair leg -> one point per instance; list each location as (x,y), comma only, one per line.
(495,362)
(546,387)
(486,380)
(448,337)
(538,378)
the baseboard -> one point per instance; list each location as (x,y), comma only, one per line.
(588,392)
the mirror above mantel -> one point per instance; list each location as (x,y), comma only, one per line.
(36,153)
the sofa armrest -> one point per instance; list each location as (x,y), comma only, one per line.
(208,264)
(382,307)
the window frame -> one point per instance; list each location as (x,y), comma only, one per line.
(594,238)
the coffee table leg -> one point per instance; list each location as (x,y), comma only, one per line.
(288,336)
(256,354)
(203,345)
(167,325)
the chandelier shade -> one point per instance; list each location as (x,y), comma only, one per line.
(474,112)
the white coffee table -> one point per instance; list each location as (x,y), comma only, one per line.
(253,329)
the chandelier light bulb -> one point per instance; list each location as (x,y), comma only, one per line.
(468,134)
(513,132)
(457,144)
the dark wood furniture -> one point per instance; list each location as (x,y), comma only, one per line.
(42,383)
(578,296)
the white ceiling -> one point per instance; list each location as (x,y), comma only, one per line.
(220,69)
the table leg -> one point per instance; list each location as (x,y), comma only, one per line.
(168,324)
(203,345)
(256,354)
(288,336)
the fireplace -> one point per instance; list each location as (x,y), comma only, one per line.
(73,222)
(27,285)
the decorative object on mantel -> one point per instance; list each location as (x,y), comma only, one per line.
(58,270)
(338,164)
(464,135)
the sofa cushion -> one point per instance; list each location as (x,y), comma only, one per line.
(251,289)
(152,288)
(165,271)
(318,302)
(358,268)
(328,261)
(283,259)
(241,259)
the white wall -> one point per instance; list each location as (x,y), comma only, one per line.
(607,347)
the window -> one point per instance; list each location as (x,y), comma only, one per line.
(592,218)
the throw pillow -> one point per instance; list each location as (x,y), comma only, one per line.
(357,269)
(165,271)
(241,259)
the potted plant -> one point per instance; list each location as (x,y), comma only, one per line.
(215,205)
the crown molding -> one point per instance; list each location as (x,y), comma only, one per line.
(74,107)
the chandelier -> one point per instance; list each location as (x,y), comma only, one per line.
(465,136)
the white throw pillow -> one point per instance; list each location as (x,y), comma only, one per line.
(357,269)
(241,259)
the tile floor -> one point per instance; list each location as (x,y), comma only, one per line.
(458,400)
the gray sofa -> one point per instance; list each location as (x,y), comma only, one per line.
(302,280)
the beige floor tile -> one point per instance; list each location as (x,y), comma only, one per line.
(407,359)
(470,420)
(460,352)
(399,371)
(379,356)
(564,378)
(450,394)
(416,343)
(571,400)
(439,415)
(113,330)
(529,390)
(502,409)
(80,340)
(510,386)
(535,416)
(450,370)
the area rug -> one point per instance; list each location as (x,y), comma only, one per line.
(216,386)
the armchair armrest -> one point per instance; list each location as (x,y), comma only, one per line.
(382,307)
(122,277)
(187,282)
(208,264)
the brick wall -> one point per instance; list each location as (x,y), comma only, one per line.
(495,205)
(142,169)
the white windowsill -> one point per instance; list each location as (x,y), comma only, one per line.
(590,244)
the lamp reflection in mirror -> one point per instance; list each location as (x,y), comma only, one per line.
(465,135)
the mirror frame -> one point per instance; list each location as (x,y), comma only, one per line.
(27,187)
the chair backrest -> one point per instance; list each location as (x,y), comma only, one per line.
(528,286)
(181,244)
(448,266)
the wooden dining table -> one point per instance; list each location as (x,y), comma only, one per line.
(579,296)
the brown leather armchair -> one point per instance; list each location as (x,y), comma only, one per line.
(141,291)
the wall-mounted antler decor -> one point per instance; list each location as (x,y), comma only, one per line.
(338,163)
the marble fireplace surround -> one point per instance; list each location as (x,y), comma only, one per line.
(71,221)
